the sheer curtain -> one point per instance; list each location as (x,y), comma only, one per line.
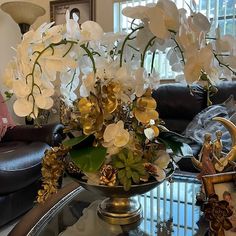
(219,12)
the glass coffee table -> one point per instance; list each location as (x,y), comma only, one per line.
(169,209)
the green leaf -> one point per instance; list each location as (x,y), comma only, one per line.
(122,157)
(73,141)
(128,173)
(135,177)
(175,146)
(121,174)
(119,164)
(127,184)
(89,159)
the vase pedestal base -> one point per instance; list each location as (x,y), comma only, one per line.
(120,211)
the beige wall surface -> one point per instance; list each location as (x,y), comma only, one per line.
(11,36)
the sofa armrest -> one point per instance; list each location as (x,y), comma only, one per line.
(51,134)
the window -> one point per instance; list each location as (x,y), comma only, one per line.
(219,12)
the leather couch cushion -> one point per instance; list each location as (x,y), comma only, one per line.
(20,164)
(176,102)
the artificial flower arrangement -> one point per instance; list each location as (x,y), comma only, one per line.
(108,91)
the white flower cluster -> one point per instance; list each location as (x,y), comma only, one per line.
(80,56)
(191,48)
(43,54)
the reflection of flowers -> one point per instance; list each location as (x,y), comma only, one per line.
(217,213)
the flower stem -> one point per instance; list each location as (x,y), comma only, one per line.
(222,64)
(145,50)
(90,55)
(181,51)
(127,39)
(36,62)
(153,59)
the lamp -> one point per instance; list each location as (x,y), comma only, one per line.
(23,13)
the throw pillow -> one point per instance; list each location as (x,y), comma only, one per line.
(5,118)
(203,123)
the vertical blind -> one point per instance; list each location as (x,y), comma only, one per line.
(219,12)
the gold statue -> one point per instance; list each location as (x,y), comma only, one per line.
(231,156)
(217,152)
(213,151)
(205,157)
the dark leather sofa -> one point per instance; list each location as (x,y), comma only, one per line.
(21,152)
(177,107)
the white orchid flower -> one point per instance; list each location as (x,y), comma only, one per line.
(162,159)
(140,85)
(23,107)
(43,102)
(138,12)
(143,36)
(72,28)
(198,62)
(90,31)
(157,22)
(57,63)
(88,82)
(198,22)
(115,135)
(21,88)
(171,16)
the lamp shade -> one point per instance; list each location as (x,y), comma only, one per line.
(23,12)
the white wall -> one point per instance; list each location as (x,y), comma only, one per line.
(11,36)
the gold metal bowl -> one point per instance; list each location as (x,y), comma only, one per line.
(119,207)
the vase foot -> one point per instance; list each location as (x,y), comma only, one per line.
(120,211)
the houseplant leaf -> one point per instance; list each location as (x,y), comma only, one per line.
(89,159)
(74,141)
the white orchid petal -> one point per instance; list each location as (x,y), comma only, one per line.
(91,31)
(110,132)
(138,12)
(122,138)
(21,89)
(163,159)
(149,133)
(22,107)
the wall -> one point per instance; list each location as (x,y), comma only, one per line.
(11,36)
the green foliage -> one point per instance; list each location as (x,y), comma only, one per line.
(74,141)
(89,159)
(8,95)
(130,168)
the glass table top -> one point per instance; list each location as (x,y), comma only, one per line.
(168,209)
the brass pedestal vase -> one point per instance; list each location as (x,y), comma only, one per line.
(120,207)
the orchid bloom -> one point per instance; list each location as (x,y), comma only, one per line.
(115,135)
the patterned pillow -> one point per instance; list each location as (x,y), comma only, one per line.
(202,123)
(5,118)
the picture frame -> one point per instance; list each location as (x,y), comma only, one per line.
(84,8)
(224,185)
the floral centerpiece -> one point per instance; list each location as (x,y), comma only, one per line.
(107,90)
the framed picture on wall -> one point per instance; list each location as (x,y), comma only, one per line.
(85,9)
(224,185)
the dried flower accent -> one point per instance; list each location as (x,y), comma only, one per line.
(108,175)
(217,213)
(52,169)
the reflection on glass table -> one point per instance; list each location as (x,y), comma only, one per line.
(168,209)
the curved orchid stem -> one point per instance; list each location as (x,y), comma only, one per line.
(222,64)
(90,55)
(150,43)
(36,63)
(128,37)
